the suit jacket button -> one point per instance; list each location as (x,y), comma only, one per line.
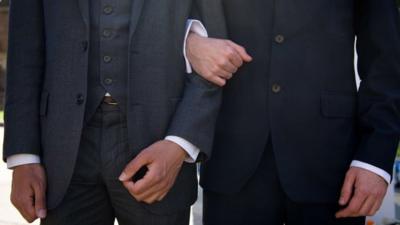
(84,46)
(276,88)
(279,39)
(80,99)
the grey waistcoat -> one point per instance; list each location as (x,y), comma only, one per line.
(108,54)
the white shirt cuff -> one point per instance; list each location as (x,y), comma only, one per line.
(373,169)
(21,159)
(192,151)
(197,27)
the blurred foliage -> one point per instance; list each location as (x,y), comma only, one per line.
(4,3)
(398,151)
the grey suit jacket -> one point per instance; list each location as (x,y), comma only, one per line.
(47,85)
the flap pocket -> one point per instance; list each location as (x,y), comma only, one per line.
(44,101)
(338,105)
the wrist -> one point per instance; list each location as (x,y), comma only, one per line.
(27,166)
(181,153)
(191,41)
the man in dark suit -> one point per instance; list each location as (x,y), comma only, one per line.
(296,143)
(91,86)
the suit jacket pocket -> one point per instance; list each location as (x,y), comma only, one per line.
(44,101)
(338,105)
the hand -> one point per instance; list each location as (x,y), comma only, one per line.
(164,160)
(216,60)
(28,193)
(362,192)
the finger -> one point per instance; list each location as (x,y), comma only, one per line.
(129,186)
(236,59)
(218,81)
(347,189)
(367,206)
(40,200)
(155,190)
(354,206)
(151,178)
(134,166)
(226,75)
(227,66)
(376,207)
(162,196)
(242,52)
(28,210)
(153,198)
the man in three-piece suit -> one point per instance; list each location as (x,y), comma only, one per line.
(296,143)
(92,85)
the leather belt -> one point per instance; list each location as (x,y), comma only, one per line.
(109,100)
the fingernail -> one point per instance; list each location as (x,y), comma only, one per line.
(41,213)
(123,177)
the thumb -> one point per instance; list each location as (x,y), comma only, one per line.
(242,52)
(134,166)
(347,189)
(40,201)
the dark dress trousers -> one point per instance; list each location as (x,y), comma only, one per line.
(64,56)
(299,93)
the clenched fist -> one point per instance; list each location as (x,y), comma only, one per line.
(216,60)
(362,193)
(163,160)
(28,193)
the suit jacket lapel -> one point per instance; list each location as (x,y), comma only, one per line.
(84,7)
(137,7)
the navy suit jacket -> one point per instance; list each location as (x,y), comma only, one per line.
(300,92)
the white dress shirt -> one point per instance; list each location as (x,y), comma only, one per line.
(192,151)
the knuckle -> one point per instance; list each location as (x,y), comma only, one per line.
(16,201)
(229,53)
(149,201)
(352,210)
(163,184)
(227,43)
(40,185)
(158,177)
(208,75)
(221,62)
(363,191)
(214,70)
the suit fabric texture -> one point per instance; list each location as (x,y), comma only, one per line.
(47,89)
(300,90)
(300,93)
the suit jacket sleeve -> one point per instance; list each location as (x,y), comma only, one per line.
(196,115)
(24,78)
(378,46)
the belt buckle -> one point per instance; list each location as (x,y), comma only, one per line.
(110,101)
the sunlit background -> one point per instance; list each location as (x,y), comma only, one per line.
(389,214)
